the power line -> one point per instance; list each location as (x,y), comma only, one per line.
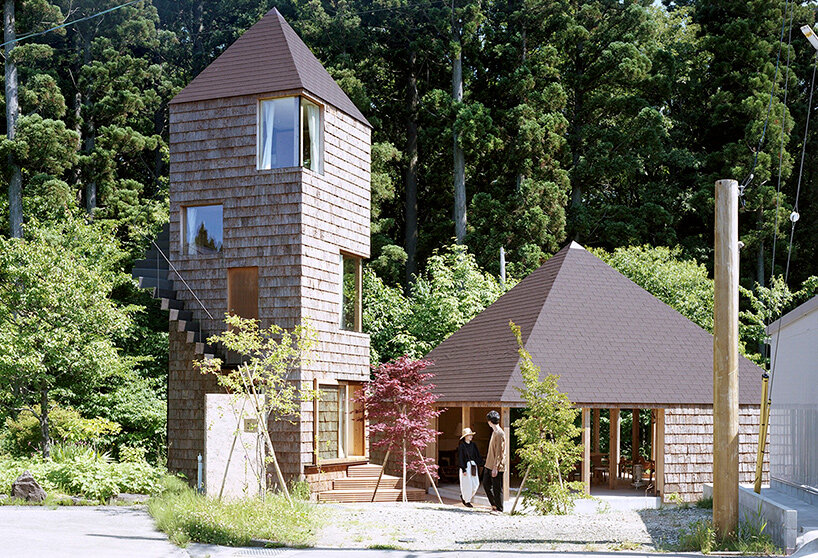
(66,24)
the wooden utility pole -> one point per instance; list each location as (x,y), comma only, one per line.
(725,360)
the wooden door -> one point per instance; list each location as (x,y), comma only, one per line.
(242,292)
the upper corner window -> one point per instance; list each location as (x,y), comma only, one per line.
(289,134)
(311,134)
(203,229)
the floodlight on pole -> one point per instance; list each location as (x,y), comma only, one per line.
(810,35)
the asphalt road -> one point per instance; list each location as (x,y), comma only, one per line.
(123,532)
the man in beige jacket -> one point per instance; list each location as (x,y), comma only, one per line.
(495,463)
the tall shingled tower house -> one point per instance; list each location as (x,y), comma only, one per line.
(269,219)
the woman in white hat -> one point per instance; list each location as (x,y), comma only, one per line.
(468,459)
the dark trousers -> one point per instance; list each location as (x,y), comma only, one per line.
(494,488)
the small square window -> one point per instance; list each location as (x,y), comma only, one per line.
(203,229)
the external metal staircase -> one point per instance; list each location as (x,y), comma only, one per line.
(152,272)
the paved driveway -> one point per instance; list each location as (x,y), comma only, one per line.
(88,532)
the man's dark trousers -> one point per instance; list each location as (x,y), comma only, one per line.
(494,488)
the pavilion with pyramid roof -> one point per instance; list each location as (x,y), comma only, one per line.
(615,347)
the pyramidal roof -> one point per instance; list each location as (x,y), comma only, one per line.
(268,58)
(609,340)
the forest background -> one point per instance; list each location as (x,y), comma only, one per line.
(519,124)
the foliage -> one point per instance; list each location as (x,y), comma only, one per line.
(682,284)
(450,292)
(85,475)
(547,439)
(188,517)
(57,321)
(265,375)
(751,538)
(400,406)
(23,433)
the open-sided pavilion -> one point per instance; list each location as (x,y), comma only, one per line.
(615,347)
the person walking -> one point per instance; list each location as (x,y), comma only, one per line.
(495,463)
(468,459)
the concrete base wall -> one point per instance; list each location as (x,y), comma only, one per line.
(782,523)
(234,450)
(801,492)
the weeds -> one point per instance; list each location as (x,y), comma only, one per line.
(186,516)
(705,503)
(750,539)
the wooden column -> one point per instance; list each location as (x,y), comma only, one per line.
(613,449)
(596,430)
(505,422)
(635,435)
(653,435)
(725,359)
(465,418)
(586,449)
(660,452)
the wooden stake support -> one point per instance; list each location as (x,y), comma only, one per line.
(380,475)
(725,360)
(431,480)
(520,490)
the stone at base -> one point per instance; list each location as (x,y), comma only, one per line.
(28,489)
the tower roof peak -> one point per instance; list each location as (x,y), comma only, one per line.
(268,58)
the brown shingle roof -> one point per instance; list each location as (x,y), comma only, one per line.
(269,57)
(608,339)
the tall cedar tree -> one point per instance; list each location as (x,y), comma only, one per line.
(400,407)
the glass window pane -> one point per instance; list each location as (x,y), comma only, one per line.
(311,132)
(349,292)
(203,229)
(278,133)
(329,420)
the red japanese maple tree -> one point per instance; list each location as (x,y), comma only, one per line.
(400,407)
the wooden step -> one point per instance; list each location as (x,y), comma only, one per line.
(383,495)
(368,470)
(365,483)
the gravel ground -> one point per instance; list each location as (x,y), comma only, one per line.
(426,526)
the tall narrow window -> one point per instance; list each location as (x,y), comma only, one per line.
(278,133)
(242,292)
(203,229)
(350,293)
(311,136)
(331,422)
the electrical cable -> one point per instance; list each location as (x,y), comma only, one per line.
(749,178)
(794,216)
(66,24)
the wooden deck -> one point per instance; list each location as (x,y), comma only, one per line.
(360,482)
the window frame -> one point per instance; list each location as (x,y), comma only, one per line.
(346,423)
(301,97)
(184,246)
(357,319)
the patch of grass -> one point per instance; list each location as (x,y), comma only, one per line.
(383,547)
(705,503)
(626,545)
(186,516)
(751,539)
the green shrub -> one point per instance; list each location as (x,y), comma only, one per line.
(300,490)
(186,516)
(132,454)
(751,539)
(95,479)
(63,452)
(705,503)
(23,434)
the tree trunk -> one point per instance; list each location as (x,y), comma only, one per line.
(762,347)
(12,113)
(575,140)
(90,135)
(198,43)
(459,159)
(411,177)
(45,431)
